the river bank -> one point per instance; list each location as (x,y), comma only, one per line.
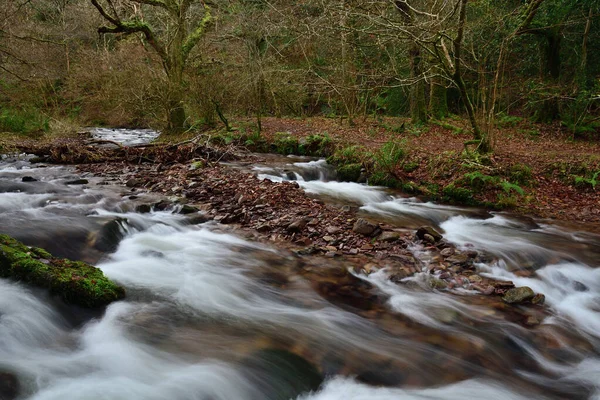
(233,261)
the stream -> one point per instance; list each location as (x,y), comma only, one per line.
(200,321)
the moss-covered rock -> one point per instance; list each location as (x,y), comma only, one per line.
(349,172)
(76,282)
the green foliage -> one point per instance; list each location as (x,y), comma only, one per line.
(393,101)
(504,120)
(381,178)
(389,157)
(446,125)
(506,201)
(520,174)
(347,155)
(508,187)
(319,145)
(23,121)
(453,193)
(349,172)
(285,143)
(411,166)
(587,182)
(479,180)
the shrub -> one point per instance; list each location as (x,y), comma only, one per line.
(23,121)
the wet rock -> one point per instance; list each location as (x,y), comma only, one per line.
(9,386)
(143,209)
(187,209)
(110,235)
(297,225)
(428,230)
(518,295)
(538,299)
(77,182)
(163,205)
(475,279)
(580,287)
(75,282)
(471,254)
(437,284)
(133,183)
(532,321)
(447,252)
(459,259)
(429,238)
(364,227)
(389,236)
(29,179)
(288,375)
(197,219)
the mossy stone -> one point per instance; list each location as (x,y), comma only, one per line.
(349,172)
(75,282)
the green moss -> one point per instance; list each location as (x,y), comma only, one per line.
(318,145)
(384,179)
(349,172)
(520,174)
(461,195)
(76,282)
(285,143)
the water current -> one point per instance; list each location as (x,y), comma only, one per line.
(201,322)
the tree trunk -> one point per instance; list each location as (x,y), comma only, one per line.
(438,99)
(553,59)
(418,105)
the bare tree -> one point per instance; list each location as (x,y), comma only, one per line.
(172,34)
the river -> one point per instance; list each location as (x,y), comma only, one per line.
(200,320)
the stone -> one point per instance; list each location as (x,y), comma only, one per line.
(263,228)
(77,182)
(388,236)
(428,230)
(29,179)
(9,386)
(297,226)
(429,238)
(447,252)
(580,287)
(332,230)
(475,278)
(328,238)
(132,183)
(471,254)
(110,235)
(143,208)
(196,219)
(538,299)
(458,259)
(532,321)
(75,282)
(364,227)
(518,295)
(187,209)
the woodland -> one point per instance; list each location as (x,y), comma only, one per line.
(486,84)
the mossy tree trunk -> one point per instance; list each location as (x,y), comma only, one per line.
(438,99)
(173,45)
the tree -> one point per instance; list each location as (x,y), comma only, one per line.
(175,33)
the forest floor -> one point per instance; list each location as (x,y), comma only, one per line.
(557,173)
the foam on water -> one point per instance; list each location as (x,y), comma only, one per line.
(348,389)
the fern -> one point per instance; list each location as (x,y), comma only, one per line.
(507,187)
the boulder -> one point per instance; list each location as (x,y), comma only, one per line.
(75,282)
(389,236)
(428,230)
(518,295)
(187,209)
(364,227)
(110,235)
(9,386)
(28,179)
(143,208)
(77,182)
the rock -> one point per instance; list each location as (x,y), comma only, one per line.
(328,238)
(288,375)
(532,321)
(475,279)
(580,287)
(197,219)
(143,208)
(538,299)
(332,230)
(77,182)
(132,183)
(110,235)
(518,295)
(437,284)
(428,230)
(263,228)
(297,226)
(471,254)
(187,209)
(389,236)
(364,227)
(458,259)
(29,179)
(429,238)
(9,386)
(75,282)
(447,252)
(163,205)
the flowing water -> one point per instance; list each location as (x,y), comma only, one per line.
(208,315)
